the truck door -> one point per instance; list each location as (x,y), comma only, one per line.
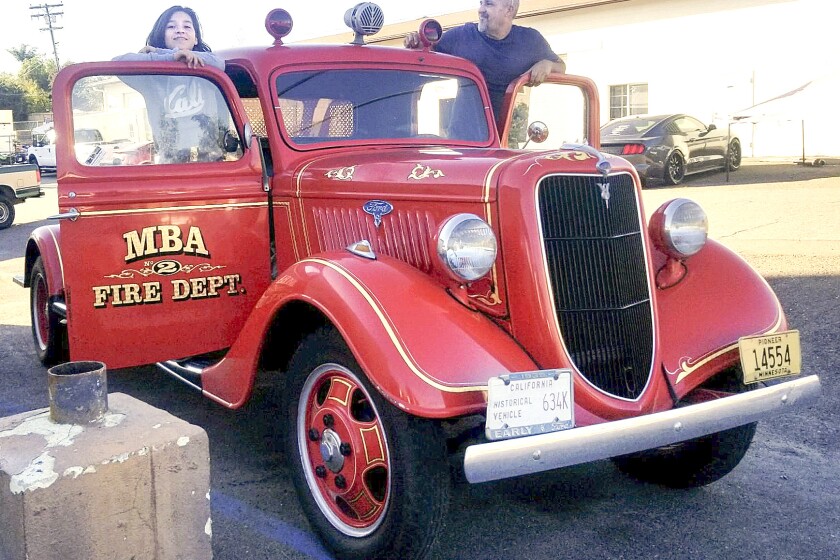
(566,107)
(164,236)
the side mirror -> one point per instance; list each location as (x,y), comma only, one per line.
(537,133)
(231,142)
(712,127)
(248,135)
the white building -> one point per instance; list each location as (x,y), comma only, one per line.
(708,58)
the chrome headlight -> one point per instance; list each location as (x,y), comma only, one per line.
(679,228)
(467,246)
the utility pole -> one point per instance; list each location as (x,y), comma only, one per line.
(49,18)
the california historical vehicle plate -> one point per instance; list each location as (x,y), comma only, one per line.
(529,403)
(768,356)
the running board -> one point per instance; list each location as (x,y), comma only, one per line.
(57,305)
(188,375)
(59,308)
(190,370)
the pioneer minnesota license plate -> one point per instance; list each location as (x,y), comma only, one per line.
(529,403)
(768,356)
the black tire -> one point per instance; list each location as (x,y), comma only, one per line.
(49,334)
(734,160)
(7,212)
(392,498)
(674,169)
(696,462)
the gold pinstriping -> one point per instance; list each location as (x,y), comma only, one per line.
(404,354)
(171,209)
(687,369)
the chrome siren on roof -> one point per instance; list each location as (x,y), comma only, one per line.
(365,18)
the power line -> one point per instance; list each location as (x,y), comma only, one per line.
(49,18)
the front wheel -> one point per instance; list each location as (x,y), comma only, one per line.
(7,212)
(49,334)
(373,481)
(734,160)
(674,169)
(699,461)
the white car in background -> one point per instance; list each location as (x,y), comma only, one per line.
(42,150)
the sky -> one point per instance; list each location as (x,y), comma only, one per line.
(95,30)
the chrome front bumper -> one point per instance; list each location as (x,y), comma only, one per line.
(513,457)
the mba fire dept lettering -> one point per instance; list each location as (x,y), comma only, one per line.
(165,240)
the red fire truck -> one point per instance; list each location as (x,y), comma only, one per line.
(349,223)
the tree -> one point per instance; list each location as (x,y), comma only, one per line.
(23,52)
(35,78)
(518,125)
(39,71)
(13,96)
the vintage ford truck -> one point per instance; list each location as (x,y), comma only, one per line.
(17,183)
(350,224)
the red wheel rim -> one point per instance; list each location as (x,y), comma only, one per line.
(344,450)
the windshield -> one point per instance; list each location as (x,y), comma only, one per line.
(326,106)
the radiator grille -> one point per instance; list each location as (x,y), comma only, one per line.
(596,267)
(402,235)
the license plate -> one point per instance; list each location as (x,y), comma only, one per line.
(529,403)
(769,356)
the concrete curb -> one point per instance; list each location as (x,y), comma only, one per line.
(133,485)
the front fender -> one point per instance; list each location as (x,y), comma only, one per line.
(44,242)
(701,319)
(424,351)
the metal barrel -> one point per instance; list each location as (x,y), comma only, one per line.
(78,392)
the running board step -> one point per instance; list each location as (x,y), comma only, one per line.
(189,370)
(59,308)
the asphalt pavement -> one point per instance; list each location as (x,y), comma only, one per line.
(781,502)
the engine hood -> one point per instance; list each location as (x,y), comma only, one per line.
(403,173)
(456,175)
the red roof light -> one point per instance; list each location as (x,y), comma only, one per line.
(430,32)
(278,23)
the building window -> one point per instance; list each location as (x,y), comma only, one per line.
(628,99)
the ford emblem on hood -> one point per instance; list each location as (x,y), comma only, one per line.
(377,209)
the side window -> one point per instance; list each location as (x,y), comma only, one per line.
(697,125)
(561,107)
(688,125)
(151,119)
(39,140)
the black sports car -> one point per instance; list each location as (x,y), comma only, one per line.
(669,147)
